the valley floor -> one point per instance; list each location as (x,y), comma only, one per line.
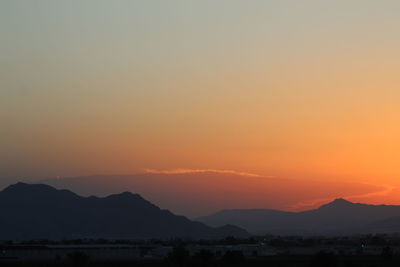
(319,260)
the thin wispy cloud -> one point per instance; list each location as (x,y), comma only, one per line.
(184,171)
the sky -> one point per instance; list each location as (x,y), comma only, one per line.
(304,90)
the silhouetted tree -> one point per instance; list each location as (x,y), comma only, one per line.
(179,257)
(387,256)
(233,257)
(204,258)
(78,258)
(387,252)
(324,259)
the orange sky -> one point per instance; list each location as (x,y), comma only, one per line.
(305,90)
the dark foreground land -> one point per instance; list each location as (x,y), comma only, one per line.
(267,251)
(319,260)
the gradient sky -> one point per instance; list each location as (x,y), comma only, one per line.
(293,89)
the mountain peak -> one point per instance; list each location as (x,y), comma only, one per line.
(22,190)
(126,195)
(20,186)
(338,202)
(341,201)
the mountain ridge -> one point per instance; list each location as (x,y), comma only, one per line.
(36,211)
(339,216)
(200,194)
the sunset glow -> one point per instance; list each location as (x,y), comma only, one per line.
(257,94)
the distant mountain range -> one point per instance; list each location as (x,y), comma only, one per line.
(36,211)
(197,193)
(339,217)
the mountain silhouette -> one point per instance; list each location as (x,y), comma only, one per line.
(337,203)
(200,193)
(33,211)
(337,217)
